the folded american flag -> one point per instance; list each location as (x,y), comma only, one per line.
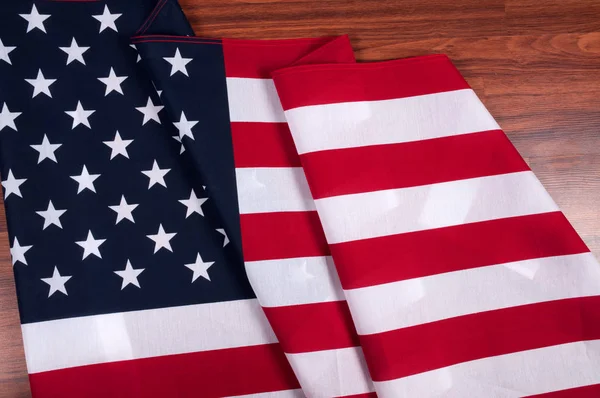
(196,217)
(462,276)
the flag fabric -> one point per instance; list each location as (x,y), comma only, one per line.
(286,256)
(284,248)
(123,216)
(193,217)
(462,276)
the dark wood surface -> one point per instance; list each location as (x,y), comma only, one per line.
(534,63)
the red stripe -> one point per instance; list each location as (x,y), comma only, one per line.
(378,167)
(258,58)
(313,327)
(591,391)
(365,395)
(328,84)
(263,145)
(412,255)
(235,371)
(451,341)
(270,236)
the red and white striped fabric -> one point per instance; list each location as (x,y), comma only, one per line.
(462,276)
(216,349)
(286,255)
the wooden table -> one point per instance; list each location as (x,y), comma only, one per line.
(534,63)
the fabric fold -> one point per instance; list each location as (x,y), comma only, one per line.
(286,258)
(196,110)
(461,274)
(166,18)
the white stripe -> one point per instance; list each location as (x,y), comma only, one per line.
(396,211)
(253,100)
(274,394)
(332,373)
(273,189)
(513,375)
(354,124)
(292,281)
(416,301)
(104,338)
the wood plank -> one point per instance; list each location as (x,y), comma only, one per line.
(552,16)
(572,52)
(367,20)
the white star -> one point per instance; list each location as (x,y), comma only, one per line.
(222,232)
(18,252)
(51,216)
(7,118)
(178,63)
(113,82)
(130,275)
(35,20)
(75,52)
(11,185)
(91,245)
(4,51)
(200,268)
(150,111)
(46,150)
(156,175)
(118,146)
(139,58)
(85,180)
(185,127)
(41,84)
(178,139)
(107,20)
(80,116)
(124,210)
(57,283)
(161,239)
(193,204)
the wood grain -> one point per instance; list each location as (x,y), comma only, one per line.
(535,64)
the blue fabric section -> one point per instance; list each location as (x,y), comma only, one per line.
(94,288)
(202,96)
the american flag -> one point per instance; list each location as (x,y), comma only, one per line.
(173,236)
(122,208)
(462,276)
